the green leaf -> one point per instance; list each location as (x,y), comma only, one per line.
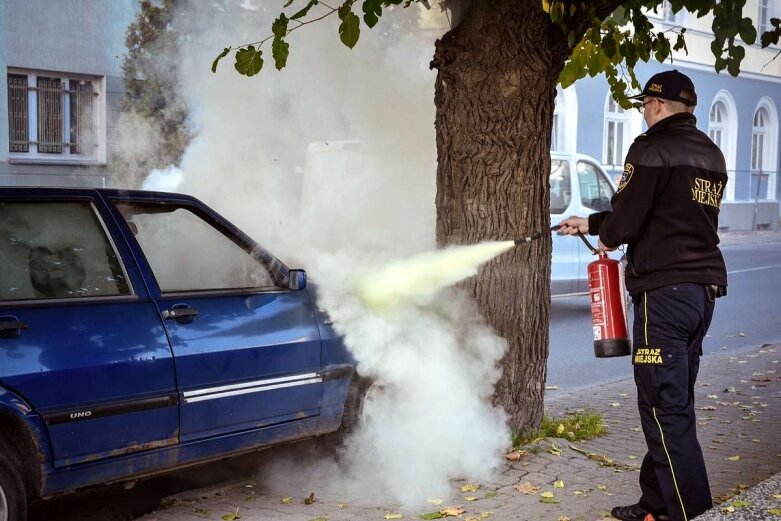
(279,27)
(747,31)
(303,12)
(280,50)
(372,10)
(350,30)
(249,61)
(431,515)
(222,55)
(287,4)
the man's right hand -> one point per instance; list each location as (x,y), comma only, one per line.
(572,225)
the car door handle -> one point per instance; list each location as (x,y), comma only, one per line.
(179,313)
(11,327)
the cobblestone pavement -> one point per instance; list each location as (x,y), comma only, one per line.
(739,413)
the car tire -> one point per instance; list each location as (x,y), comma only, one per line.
(352,415)
(13,499)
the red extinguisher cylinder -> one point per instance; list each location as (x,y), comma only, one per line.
(608,308)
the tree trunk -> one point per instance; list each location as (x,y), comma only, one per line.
(495,89)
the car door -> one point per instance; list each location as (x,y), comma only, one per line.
(80,339)
(595,191)
(565,261)
(247,349)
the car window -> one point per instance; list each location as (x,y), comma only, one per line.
(188,253)
(595,190)
(560,192)
(56,250)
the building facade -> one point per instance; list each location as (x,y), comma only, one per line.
(62,88)
(741,115)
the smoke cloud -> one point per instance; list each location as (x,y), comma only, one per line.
(330,164)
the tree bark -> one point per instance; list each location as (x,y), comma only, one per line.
(494,96)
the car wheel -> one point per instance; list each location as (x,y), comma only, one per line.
(13,501)
(352,417)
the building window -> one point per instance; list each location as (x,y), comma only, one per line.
(723,131)
(718,116)
(764,159)
(616,127)
(51,116)
(672,18)
(768,9)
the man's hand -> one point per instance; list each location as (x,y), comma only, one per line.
(573,225)
(601,247)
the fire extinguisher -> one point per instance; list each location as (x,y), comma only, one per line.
(608,305)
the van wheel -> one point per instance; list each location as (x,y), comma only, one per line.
(13,501)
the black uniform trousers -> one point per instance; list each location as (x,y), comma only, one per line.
(669,326)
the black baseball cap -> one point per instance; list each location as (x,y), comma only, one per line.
(669,85)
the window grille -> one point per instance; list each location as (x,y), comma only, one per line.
(18,117)
(50,139)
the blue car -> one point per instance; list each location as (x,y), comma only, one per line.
(141,332)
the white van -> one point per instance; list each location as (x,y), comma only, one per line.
(578,186)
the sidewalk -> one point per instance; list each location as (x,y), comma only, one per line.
(739,413)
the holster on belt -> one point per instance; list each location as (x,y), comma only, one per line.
(713,291)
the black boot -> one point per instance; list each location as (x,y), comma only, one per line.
(629,513)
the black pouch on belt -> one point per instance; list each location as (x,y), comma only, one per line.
(713,291)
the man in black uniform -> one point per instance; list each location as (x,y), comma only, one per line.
(666,210)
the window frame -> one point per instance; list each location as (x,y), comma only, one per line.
(131,296)
(98,124)
(277,270)
(769,159)
(621,116)
(602,180)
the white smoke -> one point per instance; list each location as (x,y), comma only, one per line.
(330,164)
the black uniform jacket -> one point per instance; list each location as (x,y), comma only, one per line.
(666,208)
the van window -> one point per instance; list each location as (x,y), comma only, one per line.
(56,250)
(595,190)
(560,192)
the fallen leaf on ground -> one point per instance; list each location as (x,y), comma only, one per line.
(734,458)
(394,516)
(431,515)
(309,500)
(740,503)
(318,519)
(776,496)
(706,408)
(742,486)
(551,387)
(774,511)
(232,516)
(452,511)
(558,484)
(486,515)
(489,495)
(470,498)
(527,488)
(614,404)
(548,497)
(436,501)
(602,487)
(728,510)
(515,455)
(563,518)
(343,505)
(202,511)
(469,487)
(555,450)
(286,500)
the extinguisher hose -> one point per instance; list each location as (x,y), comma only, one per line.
(587,243)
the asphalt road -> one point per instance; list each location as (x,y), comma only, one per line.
(747,317)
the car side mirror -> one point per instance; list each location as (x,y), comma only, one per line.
(296,280)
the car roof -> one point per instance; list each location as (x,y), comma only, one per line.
(110,193)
